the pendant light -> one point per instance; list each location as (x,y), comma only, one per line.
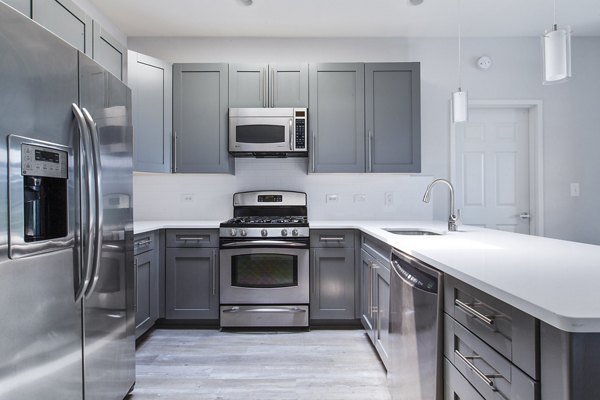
(556,52)
(459,99)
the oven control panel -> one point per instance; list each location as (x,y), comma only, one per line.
(264,232)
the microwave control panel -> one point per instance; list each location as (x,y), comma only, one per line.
(300,118)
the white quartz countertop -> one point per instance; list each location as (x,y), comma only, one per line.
(556,281)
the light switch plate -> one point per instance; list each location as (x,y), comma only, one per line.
(332,198)
(574,189)
(360,198)
(187,198)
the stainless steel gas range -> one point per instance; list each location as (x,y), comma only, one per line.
(264,267)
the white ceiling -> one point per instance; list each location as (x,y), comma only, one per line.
(347,18)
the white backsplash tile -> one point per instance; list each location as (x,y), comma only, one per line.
(160,196)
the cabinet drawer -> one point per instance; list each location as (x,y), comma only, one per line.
(456,387)
(490,373)
(377,249)
(143,242)
(331,238)
(506,329)
(192,238)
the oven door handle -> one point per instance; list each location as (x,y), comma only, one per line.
(274,243)
(265,310)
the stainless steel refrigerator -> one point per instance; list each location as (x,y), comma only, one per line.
(66,231)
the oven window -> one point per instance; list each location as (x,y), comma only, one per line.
(264,270)
(260,134)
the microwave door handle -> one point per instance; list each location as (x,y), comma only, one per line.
(291,135)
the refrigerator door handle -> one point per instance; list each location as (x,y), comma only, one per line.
(97,167)
(87,253)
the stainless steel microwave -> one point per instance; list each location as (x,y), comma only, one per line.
(268,132)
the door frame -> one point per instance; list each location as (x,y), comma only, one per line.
(536,154)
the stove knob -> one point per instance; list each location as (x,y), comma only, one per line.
(233,232)
(264,232)
(284,232)
(295,232)
(243,232)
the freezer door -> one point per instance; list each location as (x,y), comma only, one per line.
(109,323)
(40,337)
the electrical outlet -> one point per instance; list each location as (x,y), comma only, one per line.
(360,198)
(332,198)
(187,198)
(388,199)
(574,189)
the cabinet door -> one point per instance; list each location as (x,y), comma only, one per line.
(393,117)
(367,293)
(108,52)
(146,313)
(248,85)
(23,6)
(150,81)
(65,20)
(336,102)
(382,312)
(332,286)
(192,284)
(200,121)
(288,85)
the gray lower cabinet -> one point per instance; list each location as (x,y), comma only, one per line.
(393,117)
(375,295)
(200,123)
(23,6)
(333,285)
(336,118)
(66,20)
(108,52)
(268,85)
(146,268)
(192,283)
(456,387)
(150,80)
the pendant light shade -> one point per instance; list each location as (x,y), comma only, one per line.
(460,103)
(556,48)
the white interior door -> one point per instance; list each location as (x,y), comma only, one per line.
(492,168)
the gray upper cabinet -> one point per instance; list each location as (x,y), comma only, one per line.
(66,20)
(150,81)
(336,122)
(274,85)
(108,52)
(200,124)
(393,117)
(23,6)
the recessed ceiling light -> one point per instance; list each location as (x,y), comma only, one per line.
(415,2)
(246,2)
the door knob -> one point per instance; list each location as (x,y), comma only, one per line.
(525,215)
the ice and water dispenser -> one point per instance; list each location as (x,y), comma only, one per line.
(39,196)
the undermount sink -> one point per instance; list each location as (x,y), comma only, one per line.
(410,231)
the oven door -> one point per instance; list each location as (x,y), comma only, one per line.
(261,134)
(264,275)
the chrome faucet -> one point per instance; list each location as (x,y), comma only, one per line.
(452,219)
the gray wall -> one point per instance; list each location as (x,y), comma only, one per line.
(571,111)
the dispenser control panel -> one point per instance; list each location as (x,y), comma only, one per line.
(43,161)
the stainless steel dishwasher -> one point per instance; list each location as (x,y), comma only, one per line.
(415,330)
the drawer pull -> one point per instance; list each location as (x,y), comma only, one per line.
(142,243)
(331,238)
(194,238)
(487,319)
(477,371)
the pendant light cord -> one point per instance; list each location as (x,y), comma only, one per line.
(555,27)
(460,49)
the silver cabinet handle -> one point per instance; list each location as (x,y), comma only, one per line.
(84,148)
(98,198)
(291,135)
(265,90)
(331,238)
(313,146)
(135,282)
(477,371)
(370,150)
(370,288)
(265,310)
(314,272)
(174,151)
(142,243)
(272,84)
(525,215)
(191,238)
(489,320)
(275,243)
(214,272)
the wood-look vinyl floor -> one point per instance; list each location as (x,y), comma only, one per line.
(209,364)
